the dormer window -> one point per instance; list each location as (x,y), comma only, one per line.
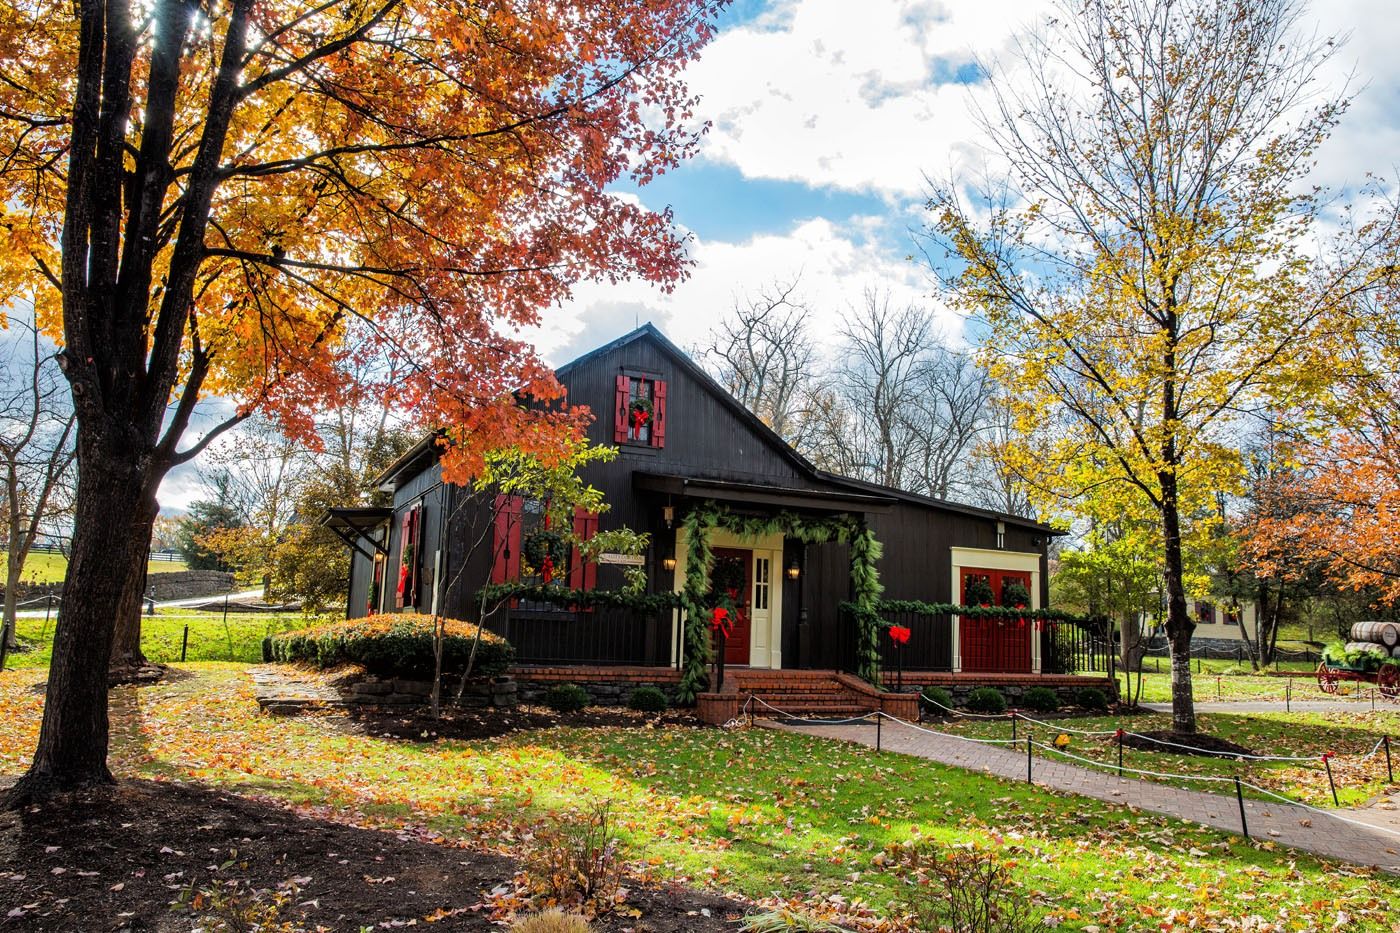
(640,416)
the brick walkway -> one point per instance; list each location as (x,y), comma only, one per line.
(1283,823)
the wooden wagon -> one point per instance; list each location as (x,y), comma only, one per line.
(1386,677)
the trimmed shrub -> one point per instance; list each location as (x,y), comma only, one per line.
(1040,699)
(937,700)
(648,700)
(396,645)
(567,698)
(1092,698)
(986,700)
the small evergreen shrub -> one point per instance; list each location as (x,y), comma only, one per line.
(395,645)
(648,700)
(567,698)
(986,700)
(1092,698)
(1040,699)
(937,700)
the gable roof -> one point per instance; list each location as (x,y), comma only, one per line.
(804,466)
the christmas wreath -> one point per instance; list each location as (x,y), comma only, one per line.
(639,412)
(1014,593)
(978,592)
(546,551)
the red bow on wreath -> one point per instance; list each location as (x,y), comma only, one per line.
(899,634)
(640,417)
(719,621)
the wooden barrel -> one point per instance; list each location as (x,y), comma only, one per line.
(1395,652)
(1380,651)
(1381,633)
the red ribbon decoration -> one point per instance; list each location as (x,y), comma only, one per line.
(639,420)
(547,568)
(719,621)
(899,634)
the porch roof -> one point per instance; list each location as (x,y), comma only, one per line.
(821,500)
(354,526)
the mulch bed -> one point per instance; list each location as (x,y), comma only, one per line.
(117,859)
(418,723)
(1197,743)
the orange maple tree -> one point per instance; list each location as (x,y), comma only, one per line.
(245,198)
(1338,506)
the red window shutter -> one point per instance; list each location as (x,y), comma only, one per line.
(624,388)
(505,540)
(658,421)
(400,578)
(583,575)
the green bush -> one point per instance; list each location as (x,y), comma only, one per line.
(1040,699)
(567,698)
(396,645)
(1092,698)
(937,700)
(986,700)
(648,700)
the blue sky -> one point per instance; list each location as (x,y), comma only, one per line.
(828,116)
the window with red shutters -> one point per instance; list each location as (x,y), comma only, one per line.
(410,560)
(639,418)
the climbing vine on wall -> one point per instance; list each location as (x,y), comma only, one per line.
(865,551)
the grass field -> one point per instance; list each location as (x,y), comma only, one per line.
(1350,735)
(766,814)
(210,639)
(49,568)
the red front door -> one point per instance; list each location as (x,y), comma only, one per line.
(995,645)
(732,574)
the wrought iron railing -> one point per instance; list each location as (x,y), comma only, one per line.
(605,635)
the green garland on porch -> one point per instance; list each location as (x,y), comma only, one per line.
(566,598)
(972,612)
(865,578)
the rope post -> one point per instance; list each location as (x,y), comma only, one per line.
(1217,686)
(879,724)
(1389,772)
(1288,696)
(1013,725)
(1028,757)
(1239,796)
(1120,752)
(184,644)
(1327,761)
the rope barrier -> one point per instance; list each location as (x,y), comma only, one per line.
(1209,778)
(1332,813)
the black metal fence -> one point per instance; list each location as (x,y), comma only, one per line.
(602,635)
(988,644)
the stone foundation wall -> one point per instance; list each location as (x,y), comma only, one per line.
(606,686)
(960,686)
(188,584)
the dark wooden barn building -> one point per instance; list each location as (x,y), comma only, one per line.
(699,445)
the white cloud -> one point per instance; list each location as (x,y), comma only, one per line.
(852,96)
(836,264)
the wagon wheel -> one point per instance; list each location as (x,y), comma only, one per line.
(1326,678)
(1388,680)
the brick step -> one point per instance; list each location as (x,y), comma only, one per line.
(825,698)
(836,712)
(793,690)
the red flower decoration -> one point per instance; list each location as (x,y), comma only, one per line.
(719,621)
(899,634)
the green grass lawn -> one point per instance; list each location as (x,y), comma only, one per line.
(1351,735)
(50,568)
(762,813)
(1210,686)
(210,639)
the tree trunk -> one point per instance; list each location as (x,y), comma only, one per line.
(7,628)
(127,657)
(1130,642)
(115,490)
(1179,624)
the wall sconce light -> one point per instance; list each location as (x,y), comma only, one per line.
(668,512)
(793,571)
(669,562)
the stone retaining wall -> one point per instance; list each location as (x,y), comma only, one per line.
(162,587)
(480,692)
